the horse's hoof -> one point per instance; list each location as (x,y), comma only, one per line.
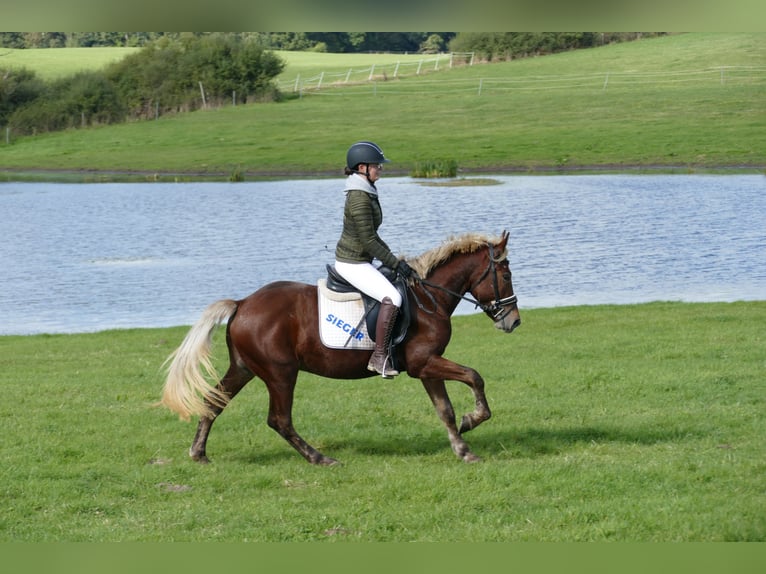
(466,424)
(469,457)
(322,460)
(202,459)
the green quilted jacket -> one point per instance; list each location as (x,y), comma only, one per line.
(359,240)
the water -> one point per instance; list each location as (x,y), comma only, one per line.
(87,257)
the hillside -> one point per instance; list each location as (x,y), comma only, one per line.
(693,101)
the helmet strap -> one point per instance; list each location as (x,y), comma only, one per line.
(365,174)
(372,183)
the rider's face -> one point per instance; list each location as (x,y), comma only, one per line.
(373,171)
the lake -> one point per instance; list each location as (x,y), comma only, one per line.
(88,257)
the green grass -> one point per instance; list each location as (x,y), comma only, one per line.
(54,63)
(660,103)
(610,423)
(304,66)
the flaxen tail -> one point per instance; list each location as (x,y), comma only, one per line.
(187,390)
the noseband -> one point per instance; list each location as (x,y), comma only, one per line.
(498,308)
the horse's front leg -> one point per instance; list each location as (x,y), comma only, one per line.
(437,391)
(438,367)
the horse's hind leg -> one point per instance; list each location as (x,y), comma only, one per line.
(280,419)
(232,382)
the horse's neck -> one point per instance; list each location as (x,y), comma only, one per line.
(455,276)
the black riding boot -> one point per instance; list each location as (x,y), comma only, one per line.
(380,361)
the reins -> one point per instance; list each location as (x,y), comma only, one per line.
(496,308)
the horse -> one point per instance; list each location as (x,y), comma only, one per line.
(273,334)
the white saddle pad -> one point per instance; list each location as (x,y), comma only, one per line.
(341,319)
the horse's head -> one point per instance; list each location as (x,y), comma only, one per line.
(477,264)
(494,288)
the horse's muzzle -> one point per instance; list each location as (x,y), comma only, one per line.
(508,323)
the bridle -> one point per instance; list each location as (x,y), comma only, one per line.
(498,308)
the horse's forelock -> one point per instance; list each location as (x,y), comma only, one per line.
(467,243)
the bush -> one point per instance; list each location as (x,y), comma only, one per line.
(18,87)
(166,74)
(86,98)
(438,168)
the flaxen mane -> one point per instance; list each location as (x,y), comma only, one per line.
(467,243)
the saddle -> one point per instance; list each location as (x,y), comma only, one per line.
(335,282)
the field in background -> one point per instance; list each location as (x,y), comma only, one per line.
(51,63)
(54,63)
(693,101)
(677,56)
(312,69)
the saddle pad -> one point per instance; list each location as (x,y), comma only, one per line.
(341,319)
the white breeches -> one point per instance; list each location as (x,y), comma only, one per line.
(367,278)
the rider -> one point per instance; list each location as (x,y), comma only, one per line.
(360,243)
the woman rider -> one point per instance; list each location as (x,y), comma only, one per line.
(360,243)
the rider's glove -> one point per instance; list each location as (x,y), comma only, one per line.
(405,270)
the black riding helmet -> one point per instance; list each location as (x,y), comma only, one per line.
(364,152)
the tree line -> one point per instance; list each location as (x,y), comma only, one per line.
(497,46)
(336,42)
(488,45)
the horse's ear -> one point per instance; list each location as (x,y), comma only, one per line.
(504,239)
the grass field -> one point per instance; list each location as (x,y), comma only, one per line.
(54,63)
(688,102)
(335,68)
(611,423)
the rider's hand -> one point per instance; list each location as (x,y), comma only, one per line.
(403,268)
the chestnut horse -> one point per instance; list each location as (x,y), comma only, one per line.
(273,334)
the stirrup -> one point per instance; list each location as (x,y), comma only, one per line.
(386,373)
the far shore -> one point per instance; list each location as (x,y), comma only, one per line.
(44,175)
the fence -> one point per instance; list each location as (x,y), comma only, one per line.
(375,72)
(375,81)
